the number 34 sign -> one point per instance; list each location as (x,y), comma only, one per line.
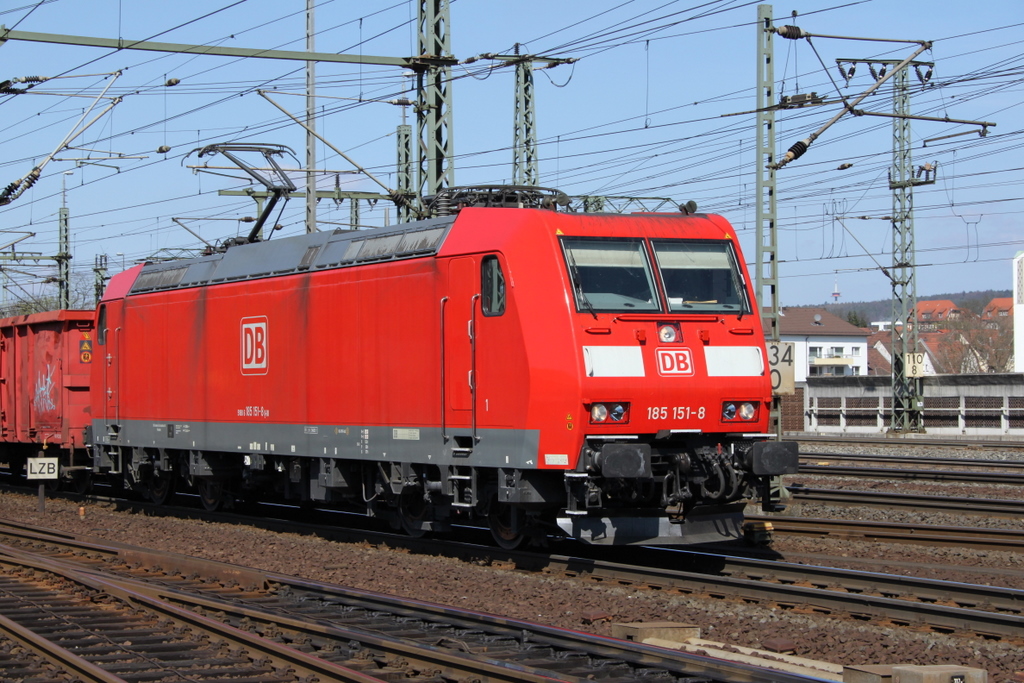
(780,363)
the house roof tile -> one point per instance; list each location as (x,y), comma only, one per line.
(811,322)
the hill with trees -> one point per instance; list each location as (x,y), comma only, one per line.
(862,313)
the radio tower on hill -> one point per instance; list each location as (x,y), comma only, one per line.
(835,292)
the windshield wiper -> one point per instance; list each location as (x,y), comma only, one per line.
(577,284)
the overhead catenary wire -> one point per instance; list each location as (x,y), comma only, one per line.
(585,172)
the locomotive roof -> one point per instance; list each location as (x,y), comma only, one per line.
(311,252)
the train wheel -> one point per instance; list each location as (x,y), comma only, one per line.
(161,487)
(501,521)
(211,493)
(80,482)
(412,511)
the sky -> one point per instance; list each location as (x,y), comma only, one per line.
(656,105)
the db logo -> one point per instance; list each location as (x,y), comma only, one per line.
(254,346)
(674,362)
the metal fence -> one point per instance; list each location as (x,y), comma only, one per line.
(970,405)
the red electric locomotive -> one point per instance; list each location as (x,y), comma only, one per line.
(602,376)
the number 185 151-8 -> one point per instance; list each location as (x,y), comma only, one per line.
(675,412)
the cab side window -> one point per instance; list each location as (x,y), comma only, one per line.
(492,286)
(101,326)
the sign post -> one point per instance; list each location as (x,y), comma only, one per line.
(783,371)
(42,469)
(783,374)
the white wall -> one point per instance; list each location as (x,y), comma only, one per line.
(801,351)
(1018,312)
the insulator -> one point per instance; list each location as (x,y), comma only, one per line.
(881,71)
(163,149)
(791,32)
(443,205)
(842,72)
(247,219)
(172,82)
(853,70)
(843,167)
(798,149)
(874,74)
(31,79)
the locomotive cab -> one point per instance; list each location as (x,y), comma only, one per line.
(630,349)
(674,385)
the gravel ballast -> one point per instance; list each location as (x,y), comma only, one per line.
(565,602)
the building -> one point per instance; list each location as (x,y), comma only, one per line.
(935,314)
(824,345)
(880,351)
(1018,311)
(1000,307)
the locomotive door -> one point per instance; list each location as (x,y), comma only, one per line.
(459,348)
(108,342)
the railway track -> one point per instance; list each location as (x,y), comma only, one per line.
(909,501)
(910,441)
(940,606)
(108,631)
(991,613)
(216,620)
(974,463)
(893,532)
(908,467)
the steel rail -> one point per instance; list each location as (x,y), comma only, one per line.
(864,595)
(250,642)
(912,501)
(915,441)
(55,654)
(339,602)
(914,459)
(909,474)
(892,532)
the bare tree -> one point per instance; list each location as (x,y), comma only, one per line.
(974,345)
(45,297)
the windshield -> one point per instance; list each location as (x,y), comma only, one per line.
(610,275)
(616,275)
(700,276)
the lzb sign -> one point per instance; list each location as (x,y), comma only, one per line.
(783,371)
(42,468)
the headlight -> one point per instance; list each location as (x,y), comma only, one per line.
(601,412)
(745,411)
(668,334)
